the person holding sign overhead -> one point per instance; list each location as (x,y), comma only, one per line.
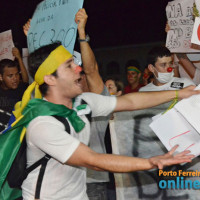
(92,82)
(13,83)
(187,64)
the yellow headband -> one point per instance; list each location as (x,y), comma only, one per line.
(49,66)
(132,68)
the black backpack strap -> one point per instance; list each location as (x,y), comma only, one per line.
(38,163)
(64,121)
(43,161)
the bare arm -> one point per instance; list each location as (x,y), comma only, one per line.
(26,27)
(187,65)
(184,61)
(23,70)
(86,157)
(142,100)
(90,66)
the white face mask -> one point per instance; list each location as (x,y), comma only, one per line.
(164,77)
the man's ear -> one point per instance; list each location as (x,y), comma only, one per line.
(151,68)
(49,79)
(139,75)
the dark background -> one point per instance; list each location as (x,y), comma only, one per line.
(110,23)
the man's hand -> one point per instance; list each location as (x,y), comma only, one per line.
(170,159)
(187,92)
(81,19)
(26,27)
(16,53)
(167,27)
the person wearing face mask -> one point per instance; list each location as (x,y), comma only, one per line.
(159,60)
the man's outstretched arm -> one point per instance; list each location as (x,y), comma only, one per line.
(142,100)
(86,157)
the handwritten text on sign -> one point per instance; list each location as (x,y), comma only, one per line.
(53,20)
(6,45)
(181,22)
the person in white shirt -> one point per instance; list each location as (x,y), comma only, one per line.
(160,63)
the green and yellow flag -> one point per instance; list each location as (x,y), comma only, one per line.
(11,140)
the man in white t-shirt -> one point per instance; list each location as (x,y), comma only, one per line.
(161,65)
(57,79)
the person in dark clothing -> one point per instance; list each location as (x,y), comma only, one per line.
(13,83)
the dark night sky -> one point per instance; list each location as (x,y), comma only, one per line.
(110,23)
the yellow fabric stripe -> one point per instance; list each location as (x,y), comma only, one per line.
(52,62)
(22,134)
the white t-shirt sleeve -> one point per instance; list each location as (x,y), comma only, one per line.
(99,104)
(49,135)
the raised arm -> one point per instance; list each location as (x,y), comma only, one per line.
(142,100)
(86,157)
(26,27)
(23,70)
(187,65)
(90,66)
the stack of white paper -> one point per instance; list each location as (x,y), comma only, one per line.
(180,125)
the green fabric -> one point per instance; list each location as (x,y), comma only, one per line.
(8,193)
(83,106)
(10,141)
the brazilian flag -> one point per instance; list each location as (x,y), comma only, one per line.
(11,140)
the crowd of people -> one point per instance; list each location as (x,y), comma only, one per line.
(88,145)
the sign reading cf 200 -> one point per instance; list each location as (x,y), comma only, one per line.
(53,20)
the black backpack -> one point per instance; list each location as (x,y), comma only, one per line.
(18,171)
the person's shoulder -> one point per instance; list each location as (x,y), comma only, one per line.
(184,80)
(43,121)
(22,86)
(127,89)
(148,87)
(2,91)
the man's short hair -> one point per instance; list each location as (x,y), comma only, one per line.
(37,58)
(157,52)
(7,63)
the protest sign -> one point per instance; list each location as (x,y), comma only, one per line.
(6,45)
(181,21)
(53,20)
(196,31)
(197,2)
